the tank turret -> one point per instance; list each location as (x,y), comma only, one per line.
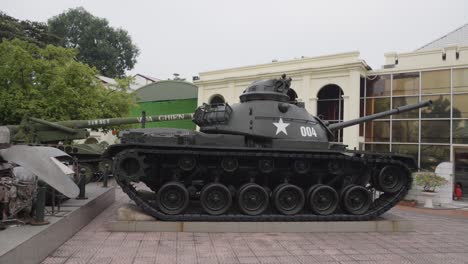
(269,109)
(263,159)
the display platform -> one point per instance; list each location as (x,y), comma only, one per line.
(32,244)
(130,218)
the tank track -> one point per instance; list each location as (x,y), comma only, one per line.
(380,205)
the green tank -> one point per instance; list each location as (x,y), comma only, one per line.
(36,132)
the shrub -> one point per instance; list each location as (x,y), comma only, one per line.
(429,181)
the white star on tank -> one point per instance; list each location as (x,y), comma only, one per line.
(281,127)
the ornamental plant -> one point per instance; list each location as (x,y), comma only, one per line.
(429,181)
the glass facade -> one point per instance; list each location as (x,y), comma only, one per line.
(426,134)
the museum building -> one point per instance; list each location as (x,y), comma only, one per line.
(342,86)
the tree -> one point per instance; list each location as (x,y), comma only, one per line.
(35,32)
(110,50)
(49,83)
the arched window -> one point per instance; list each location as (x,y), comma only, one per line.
(330,106)
(217,99)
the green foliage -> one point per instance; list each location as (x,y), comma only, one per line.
(110,50)
(429,180)
(49,83)
(35,32)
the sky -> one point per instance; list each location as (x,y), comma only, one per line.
(189,37)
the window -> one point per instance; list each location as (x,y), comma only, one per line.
(460,80)
(406,84)
(377,147)
(378,85)
(422,133)
(440,107)
(405,131)
(377,105)
(435,131)
(460,131)
(432,155)
(402,101)
(378,131)
(460,105)
(433,82)
(406,149)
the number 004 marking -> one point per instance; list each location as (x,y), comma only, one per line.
(308,132)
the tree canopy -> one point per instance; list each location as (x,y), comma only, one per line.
(110,50)
(49,83)
(35,32)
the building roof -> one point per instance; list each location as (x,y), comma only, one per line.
(106,80)
(457,37)
(147,77)
(166,91)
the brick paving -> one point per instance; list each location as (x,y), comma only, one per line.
(437,239)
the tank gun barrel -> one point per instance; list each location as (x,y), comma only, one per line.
(35,130)
(54,125)
(394,111)
(108,122)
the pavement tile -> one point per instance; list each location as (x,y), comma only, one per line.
(268,260)
(54,260)
(248,260)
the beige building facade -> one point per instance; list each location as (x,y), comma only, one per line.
(309,76)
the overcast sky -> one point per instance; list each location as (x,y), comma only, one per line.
(189,37)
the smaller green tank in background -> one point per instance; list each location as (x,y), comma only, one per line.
(34,131)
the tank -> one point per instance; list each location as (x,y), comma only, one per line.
(263,159)
(37,132)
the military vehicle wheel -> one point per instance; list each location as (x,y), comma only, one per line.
(252,199)
(301,166)
(215,198)
(266,165)
(356,200)
(229,164)
(172,198)
(187,163)
(323,199)
(391,179)
(288,199)
(105,164)
(89,171)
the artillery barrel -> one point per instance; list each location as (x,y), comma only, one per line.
(397,110)
(107,122)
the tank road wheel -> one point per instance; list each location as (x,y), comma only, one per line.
(266,165)
(356,199)
(289,199)
(391,179)
(229,164)
(172,198)
(323,199)
(252,199)
(301,166)
(187,163)
(215,198)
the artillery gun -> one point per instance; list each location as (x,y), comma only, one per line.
(263,159)
(38,132)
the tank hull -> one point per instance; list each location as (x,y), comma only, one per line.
(144,170)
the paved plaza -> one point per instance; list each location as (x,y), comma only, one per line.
(437,239)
